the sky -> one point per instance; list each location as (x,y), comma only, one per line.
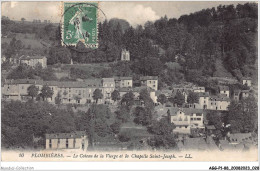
(134,12)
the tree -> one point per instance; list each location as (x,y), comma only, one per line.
(162,99)
(22,19)
(242,115)
(179,99)
(22,121)
(46,92)
(77,98)
(163,136)
(58,99)
(143,116)
(145,97)
(193,98)
(115,95)
(125,136)
(214,118)
(32,91)
(123,114)
(115,127)
(97,94)
(128,99)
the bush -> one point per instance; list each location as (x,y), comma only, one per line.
(125,136)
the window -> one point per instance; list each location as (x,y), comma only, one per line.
(199,119)
(50,145)
(150,82)
(74,143)
(186,126)
(191,119)
(67,143)
(179,126)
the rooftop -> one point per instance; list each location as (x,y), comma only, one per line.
(76,134)
(187,111)
(123,78)
(203,94)
(23,57)
(62,84)
(223,88)
(240,136)
(220,97)
(108,79)
(149,78)
(246,78)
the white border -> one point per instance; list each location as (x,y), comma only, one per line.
(131,165)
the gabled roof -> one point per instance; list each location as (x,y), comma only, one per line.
(246,78)
(240,136)
(245,91)
(23,81)
(149,78)
(76,134)
(220,97)
(223,88)
(157,93)
(108,79)
(122,78)
(203,94)
(188,111)
(23,57)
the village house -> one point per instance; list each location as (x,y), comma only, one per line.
(123,82)
(198,89)
(203,101)
(3,59)
(33,61)
(247,81)
(238,141)
(167,93)
(75,140)
(150,81)
(198,143)
(185,119)
(236,95)
(17,89)
(244,94)
(220,102)
(136,91)
(108,87)
(224,90)
(125,55)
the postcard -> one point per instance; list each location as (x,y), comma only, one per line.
(129,81)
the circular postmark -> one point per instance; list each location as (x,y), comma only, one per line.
(79,26)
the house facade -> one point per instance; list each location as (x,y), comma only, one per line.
(150,81)
(220,102)
(186,119)
(247,81)
(224,90)
(108,85)
(75,140)
(33,61)
(125,55)
(123,82)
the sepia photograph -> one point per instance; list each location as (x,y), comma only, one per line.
(149,81)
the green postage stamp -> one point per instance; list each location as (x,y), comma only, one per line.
(80,24)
